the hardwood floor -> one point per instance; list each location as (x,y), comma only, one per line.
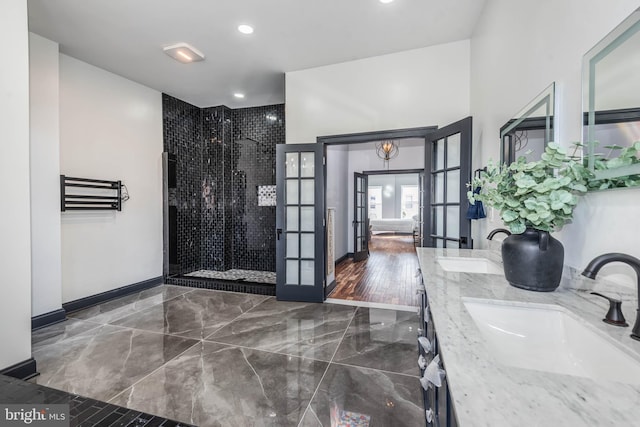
(387,276)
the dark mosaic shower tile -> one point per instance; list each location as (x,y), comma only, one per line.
(216,168)
(182,129)
(223,285)
(222,156)
(257,130)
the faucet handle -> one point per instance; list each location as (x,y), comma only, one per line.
(614,316)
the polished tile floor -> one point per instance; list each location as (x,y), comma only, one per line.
(215,358)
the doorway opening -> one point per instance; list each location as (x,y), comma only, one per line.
(377,219)
(304,210)
(385,271)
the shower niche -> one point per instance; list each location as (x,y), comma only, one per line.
(218,232)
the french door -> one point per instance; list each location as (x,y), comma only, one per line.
(418,237)
(360,215)
(447,170)
(300,223)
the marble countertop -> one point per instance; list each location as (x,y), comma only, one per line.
(486,392)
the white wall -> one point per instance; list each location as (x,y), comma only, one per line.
(46,281)
(422,87)
(362,157)
(110,128)
(518,49)
(337,194)
(15,250)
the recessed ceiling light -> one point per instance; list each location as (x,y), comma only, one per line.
(386,1)
(239,95)
(183,52)
(245,29)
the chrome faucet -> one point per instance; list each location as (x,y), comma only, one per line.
(498,230)
(598,262)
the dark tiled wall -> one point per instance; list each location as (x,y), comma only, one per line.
(182,128)
(256,131)
(223,155)
(216,232)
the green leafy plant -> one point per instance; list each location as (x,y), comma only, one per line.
(539,195)
(626,156)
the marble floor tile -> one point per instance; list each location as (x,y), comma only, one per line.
(386,399)
(218,385)
(381,339)
(195,314)
(300,329)
(104,361)
(310,419)
(60,331)
(124,306)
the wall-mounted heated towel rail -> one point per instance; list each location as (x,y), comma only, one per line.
(89,194)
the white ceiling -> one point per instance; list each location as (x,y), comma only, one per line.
(126,37)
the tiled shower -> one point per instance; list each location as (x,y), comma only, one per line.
(220,187)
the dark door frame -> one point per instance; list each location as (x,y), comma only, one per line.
(421,175)
(363,137)
(393,172)
(354,138)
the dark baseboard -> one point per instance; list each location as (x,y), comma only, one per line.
(46,319)
(343,257)
(22,370)
(349,254)
(330,288)
(92,300)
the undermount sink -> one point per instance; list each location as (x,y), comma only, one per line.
(552,339)
(469,265)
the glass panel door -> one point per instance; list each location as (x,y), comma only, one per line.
(419,230)
(448,169)
(299,227)
(360,218)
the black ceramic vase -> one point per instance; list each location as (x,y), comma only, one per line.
(533,260)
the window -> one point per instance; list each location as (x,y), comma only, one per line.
(375,202)
(410,201)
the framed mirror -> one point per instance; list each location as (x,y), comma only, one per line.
(611,107)
(530,130)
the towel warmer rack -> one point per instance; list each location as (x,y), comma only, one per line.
(111,200)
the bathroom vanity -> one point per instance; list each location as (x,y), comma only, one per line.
(516,357)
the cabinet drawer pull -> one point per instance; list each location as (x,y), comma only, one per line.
(428,414)
(433,374)
(425,344)
(422,362)
(425,383)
